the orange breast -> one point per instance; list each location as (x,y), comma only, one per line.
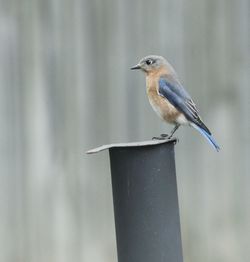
(161,105)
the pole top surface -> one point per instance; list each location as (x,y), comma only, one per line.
(132,144)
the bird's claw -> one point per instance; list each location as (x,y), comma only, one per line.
(161,137)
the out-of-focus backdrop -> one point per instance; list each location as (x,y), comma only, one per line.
(65,87)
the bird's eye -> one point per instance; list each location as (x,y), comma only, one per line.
(149,62)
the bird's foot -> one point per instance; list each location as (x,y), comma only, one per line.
(164,135)
(161,137)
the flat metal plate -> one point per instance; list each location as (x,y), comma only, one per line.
(132,144)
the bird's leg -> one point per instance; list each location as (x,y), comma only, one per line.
(166,136)
(174,129)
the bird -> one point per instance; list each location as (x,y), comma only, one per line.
(169,99)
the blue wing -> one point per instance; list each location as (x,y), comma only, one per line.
(171,89)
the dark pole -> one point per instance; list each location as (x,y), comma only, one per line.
(145,202)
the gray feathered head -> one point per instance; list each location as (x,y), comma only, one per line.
(153,62)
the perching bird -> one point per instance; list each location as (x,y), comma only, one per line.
(168,97)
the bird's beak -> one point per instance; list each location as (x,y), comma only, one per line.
(138,66)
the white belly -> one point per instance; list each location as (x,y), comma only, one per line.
(182,120)
(157,109)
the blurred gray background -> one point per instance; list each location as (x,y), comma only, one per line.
(66,87)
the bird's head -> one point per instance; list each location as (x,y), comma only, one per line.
(151,63)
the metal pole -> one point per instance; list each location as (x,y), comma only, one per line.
(145,202)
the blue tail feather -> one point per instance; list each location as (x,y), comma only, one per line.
(209,138)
